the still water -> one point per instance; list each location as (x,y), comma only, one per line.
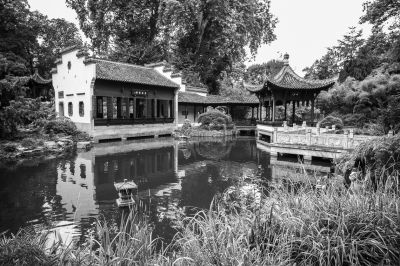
(171,175)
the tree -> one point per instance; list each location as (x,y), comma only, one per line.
(379,12)
(382,13)
(337,58)
(258,72)
(326,67)
(206,36)
(213,34)
(54,35)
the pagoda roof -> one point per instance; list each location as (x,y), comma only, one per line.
(39,79)
(287,79)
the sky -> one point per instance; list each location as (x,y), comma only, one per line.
(305,30)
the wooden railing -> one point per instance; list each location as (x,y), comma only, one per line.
(131,121)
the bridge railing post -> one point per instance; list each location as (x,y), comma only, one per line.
(275,136)
(346,140)
(285,126)
(308,137)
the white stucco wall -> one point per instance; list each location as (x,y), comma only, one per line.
(74,81)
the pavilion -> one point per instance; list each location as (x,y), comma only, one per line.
(286,87)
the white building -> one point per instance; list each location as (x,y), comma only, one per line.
(113,100)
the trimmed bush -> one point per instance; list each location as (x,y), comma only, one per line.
(332,120)
(214,119)
(61,125)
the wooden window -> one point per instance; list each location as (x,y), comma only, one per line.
(99,107)
(171,109)
(70,109)
(131,115)
(60,95)
(81,109)
(124,110)
(114,107)
(140,108)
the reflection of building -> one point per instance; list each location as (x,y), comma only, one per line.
(75,186)
(147,168)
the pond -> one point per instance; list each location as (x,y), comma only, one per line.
(171,176)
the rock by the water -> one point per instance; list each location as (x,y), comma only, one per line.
(83,145)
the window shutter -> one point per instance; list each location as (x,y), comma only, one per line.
(110,108)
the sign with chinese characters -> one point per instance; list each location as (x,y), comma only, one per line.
(139,93)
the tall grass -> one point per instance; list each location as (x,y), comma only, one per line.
(334,226)
(311,227)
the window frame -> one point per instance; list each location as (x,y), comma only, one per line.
(70,109)
(81,108)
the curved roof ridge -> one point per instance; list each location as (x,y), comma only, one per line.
(288,71)
(120,63)
(39,79)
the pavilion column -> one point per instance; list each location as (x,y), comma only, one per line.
(194,113)
(273,109)
(252,112)
(294,112)
(312,112)
(260,110)
(285,111)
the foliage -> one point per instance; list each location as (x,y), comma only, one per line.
(62,125)
(290,228)
(24,112)
(207,37)
(256,73)
(331,121)
(29,40)
(380,157)
(55,34)
(25,248)
(214,119)
(338,58)
(375,99)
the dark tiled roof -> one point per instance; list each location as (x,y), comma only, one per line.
(115,71)
(288,79)
(190,88)
(70,48)
(188,97)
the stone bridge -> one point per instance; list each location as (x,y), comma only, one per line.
(308,142)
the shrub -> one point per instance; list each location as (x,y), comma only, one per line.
(379,157)
(28,142)
(61,125)
(355,120)
(332,120)
(9,147)
(214,119)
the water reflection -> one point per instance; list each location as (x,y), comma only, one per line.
(172,176)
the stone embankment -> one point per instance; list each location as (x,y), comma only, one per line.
(16,151)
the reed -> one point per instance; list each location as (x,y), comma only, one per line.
(308,226)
